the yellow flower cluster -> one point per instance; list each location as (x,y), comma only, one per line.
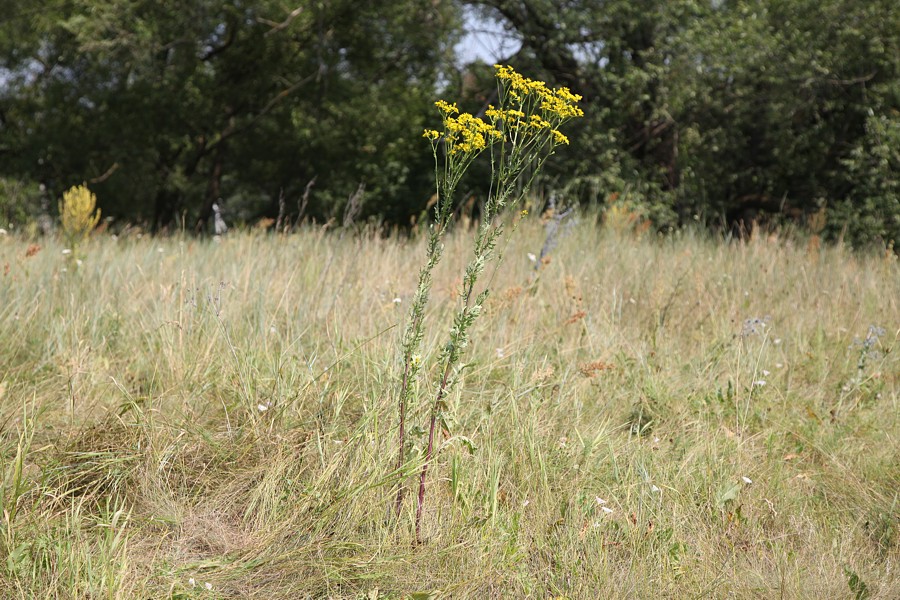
(559,102)
(559,138)
(446,108)
(466,134)
(514,119)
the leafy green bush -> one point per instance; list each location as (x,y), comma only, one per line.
(19,202)
(871,211)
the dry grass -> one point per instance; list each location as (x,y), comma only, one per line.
(223,413)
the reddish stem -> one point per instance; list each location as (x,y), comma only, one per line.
(401,440)
(434,412)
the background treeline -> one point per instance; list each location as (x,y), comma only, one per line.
(712,111)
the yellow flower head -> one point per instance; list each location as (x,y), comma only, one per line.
(468,134)
(558,137)
(77,212)
(529,110)
(559,103)
(447,108)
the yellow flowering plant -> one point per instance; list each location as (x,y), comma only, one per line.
(519,135)
(78,214)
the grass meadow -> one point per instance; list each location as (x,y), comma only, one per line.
(640,417)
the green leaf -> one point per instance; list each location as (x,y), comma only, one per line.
(728,495)
(857,585)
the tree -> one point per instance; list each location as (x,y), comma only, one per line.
(714,109)
(166,107)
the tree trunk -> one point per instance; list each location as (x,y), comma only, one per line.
(213,191)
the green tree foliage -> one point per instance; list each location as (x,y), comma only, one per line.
(165,107)
(720,111)
(728,110)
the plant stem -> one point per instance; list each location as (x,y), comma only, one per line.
(442,390)
(452,358)
(413,335)
(401,438)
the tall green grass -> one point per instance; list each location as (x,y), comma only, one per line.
(179,412)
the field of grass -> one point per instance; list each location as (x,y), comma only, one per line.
(640,418)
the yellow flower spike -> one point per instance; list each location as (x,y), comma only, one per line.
(431,134)
(79,213)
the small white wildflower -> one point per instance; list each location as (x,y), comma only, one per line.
(778,365)
(67,251)
(499,352)
(207,585)
(532,257)
(747,480)
(192,582)
(654,489)
(526,503)
(655,440)
(599,500)
(79,262)
(262,407)
(759,383)
(416,360)
(272,329)
(397,300)
(765,373)
(606,509)
(776,341)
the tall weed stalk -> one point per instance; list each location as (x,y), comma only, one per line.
(519,136)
